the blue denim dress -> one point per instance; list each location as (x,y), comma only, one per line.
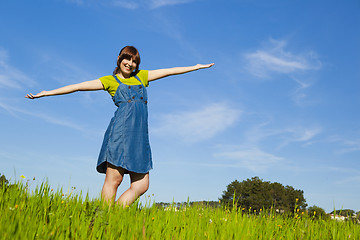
(126,140)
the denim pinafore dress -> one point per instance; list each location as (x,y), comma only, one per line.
(126,140)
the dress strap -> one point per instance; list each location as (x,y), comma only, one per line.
(139,80)
(117,79)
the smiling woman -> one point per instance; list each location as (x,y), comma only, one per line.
(128,60)
(126,147)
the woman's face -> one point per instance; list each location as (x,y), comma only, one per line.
(127,66)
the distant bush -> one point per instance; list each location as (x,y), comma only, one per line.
(257,194)
(3,180)
(317,212)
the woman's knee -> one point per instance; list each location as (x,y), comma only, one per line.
(140,189)
(113,181)
(113,177)
(140,184)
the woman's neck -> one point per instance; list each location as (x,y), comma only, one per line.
(123,76)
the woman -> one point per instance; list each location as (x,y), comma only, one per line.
(125,148)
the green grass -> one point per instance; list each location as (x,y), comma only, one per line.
(47,214)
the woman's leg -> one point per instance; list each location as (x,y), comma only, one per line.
(139,185)
(113,178)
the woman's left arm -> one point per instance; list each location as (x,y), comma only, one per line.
(161,73)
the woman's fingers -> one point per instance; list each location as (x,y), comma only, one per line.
(29,96)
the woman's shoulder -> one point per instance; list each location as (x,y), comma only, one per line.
(108,78)
(143,75)
(110,84)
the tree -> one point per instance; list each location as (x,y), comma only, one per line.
(3,180)
(256,194)
(294,199)
(317,212)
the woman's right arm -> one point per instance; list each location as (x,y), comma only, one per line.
(84,86)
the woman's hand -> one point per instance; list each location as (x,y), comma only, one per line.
(201,66)
(39,95)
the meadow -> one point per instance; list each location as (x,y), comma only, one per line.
(45,213)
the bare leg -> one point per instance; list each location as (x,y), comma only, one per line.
(113,178)
(139,185)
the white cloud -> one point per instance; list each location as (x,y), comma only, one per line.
(274,59)
(198,125)
(251,158)
(12,77)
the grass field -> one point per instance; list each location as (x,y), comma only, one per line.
(48,214)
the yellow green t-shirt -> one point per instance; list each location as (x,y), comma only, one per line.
(110,84)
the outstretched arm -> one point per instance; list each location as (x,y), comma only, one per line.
(160,73)
(84,86)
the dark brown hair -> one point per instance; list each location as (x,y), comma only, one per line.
(128,52)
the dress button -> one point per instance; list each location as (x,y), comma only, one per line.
(129,101)
(145,102)
(133,97)
(140,86)
(141,98)
(129,87)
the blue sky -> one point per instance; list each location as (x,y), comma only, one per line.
(281,102)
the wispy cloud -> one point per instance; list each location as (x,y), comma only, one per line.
(299,94)
(303,134)
(173,30)
(342,170)
(162,3)
(351,146)
(198,125)
(127,4)
(345,145)
(77,2)
(274,59)
(63,69)
(10,76)
(54,120)
(251,158)
(283,136)
(130,4)
(349,180)
(251,153)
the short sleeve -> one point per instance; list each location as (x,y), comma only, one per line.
(110,84)
(143,75)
